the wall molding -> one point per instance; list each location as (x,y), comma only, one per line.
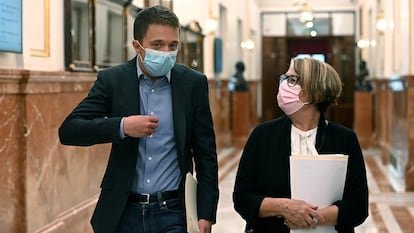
(45,51)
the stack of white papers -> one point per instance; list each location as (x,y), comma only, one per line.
(191,203)
(318,180)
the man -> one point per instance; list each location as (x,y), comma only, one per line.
(157,116)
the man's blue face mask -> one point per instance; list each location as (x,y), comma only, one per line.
(158,63)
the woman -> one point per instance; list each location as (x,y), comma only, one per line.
(262,187)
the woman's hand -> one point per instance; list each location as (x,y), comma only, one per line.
(299,214)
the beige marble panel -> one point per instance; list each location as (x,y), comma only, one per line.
(382,109)
(58,177)
(363,119)
(241,122)
(41,180)
(219,104)
(409,168)
(11,166)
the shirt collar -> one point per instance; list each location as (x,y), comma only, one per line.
(140,72)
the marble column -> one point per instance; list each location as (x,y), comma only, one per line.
(241,123)
(363,119)
(409,167)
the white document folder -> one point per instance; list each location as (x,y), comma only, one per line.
(318,180)
(191,203)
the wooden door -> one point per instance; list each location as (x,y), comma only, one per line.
(275,61)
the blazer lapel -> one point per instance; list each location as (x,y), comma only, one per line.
(178,90)
(130,89)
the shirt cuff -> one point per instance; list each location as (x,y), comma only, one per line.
(121,129)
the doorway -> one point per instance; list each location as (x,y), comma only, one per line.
(314,47)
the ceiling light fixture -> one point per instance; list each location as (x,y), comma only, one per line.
(247,44)
(212,20)
(306,13)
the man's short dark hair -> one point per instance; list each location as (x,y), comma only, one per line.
(153,15)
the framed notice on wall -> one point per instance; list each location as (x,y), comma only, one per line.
(11,26)
(166,3)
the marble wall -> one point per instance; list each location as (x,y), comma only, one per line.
(222,107)
(48,187)
(409,111)
(240,117)
(12,146)
(363,117)
(40,178)
(393,118)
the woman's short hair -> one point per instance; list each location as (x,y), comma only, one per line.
(319,81)
(153,15)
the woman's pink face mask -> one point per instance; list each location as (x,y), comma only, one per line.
(288,98)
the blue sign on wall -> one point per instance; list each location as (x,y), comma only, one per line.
(218,55)
(11,26)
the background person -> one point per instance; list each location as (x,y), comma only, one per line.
(363,73)
(262,187)
(237,82)
(157,116)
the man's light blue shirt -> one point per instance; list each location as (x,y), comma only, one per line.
(157,167)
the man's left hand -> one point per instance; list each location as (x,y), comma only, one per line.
(204,226)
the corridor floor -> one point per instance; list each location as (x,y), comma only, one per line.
(391,210)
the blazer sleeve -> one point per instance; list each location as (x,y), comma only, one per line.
(246,198)
(90,122)
(353,208)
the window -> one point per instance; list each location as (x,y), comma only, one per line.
(321,26)
(190,50)
(318,56)
(95,33)
(166,3)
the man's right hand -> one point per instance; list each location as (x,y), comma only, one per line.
(140,125)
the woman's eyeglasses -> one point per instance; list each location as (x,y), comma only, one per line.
(292,80)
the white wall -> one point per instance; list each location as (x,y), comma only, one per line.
(411,38)
(401,34)
(34,25)
(244,10)
(391,53)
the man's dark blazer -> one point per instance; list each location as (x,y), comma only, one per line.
(115,94)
